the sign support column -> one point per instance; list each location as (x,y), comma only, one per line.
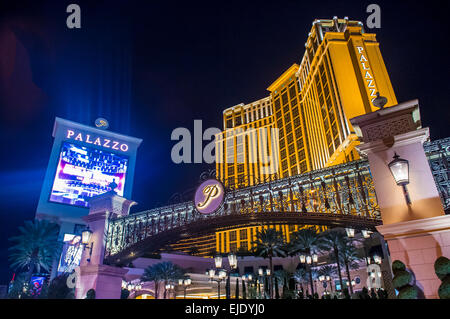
(417,232)
(93,274)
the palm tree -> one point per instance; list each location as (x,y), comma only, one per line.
(269,243)
(165,272)
(305,241)
(35,248)
(349,258)
(283,277)
(151,274)
(301,276)
(331,240)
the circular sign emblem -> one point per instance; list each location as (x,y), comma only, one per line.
(101,123)
(209,196)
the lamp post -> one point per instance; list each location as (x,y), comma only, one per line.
(131,287)
(246,279)
(232,261)
(309,260)
(185,283)
(399,168)
(350,232)
(170,288)
(221,276)
(262,274)
(85,238)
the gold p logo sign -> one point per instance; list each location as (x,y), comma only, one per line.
(211,192)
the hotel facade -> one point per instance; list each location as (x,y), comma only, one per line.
(303,124)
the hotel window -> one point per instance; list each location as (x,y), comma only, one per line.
(303,167)
(293,162)
(291,149)
(243,234)
(294,102)
(277,104)
(244,245)
(292,92)
(229,123)
(301,155)
(238,120)
(233,247)
(284,165)
(284,98)
(300,143)
(232,235)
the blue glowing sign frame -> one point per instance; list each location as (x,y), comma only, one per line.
(73,132)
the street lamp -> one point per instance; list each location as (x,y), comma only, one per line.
(185,283)
(366,233)
(232,260)
(309,260)
(220,277)
(399,168)
(350,232)
(85,238)
(170,287)
(377,259)
(218,261)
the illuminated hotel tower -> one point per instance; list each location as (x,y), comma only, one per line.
(338,77)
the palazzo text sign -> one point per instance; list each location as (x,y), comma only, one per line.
(72,134)
(366,72)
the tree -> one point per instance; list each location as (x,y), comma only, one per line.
(331,240)
(269,243)
(162,272)
(305,241)
(35,248)
(301,277)
(349,258)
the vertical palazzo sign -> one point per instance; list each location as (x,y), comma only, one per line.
(366,72)
(209,196)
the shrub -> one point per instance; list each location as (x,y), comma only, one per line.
(442,269)
(402,281)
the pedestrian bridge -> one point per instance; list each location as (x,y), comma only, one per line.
(339,196)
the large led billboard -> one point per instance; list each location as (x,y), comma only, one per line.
(84,161)
(83,172)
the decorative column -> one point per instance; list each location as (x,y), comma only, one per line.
(418,231)
(93,274)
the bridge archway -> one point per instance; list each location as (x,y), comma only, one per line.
(212,224)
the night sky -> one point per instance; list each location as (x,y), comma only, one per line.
(150,67)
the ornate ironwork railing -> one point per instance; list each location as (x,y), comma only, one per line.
(343,190)
(438,153)
(340,192)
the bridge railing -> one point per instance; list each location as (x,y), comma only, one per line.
(438,153)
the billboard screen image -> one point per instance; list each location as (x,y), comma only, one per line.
(84,172)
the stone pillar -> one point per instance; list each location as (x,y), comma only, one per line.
(419,232)
(93,274)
